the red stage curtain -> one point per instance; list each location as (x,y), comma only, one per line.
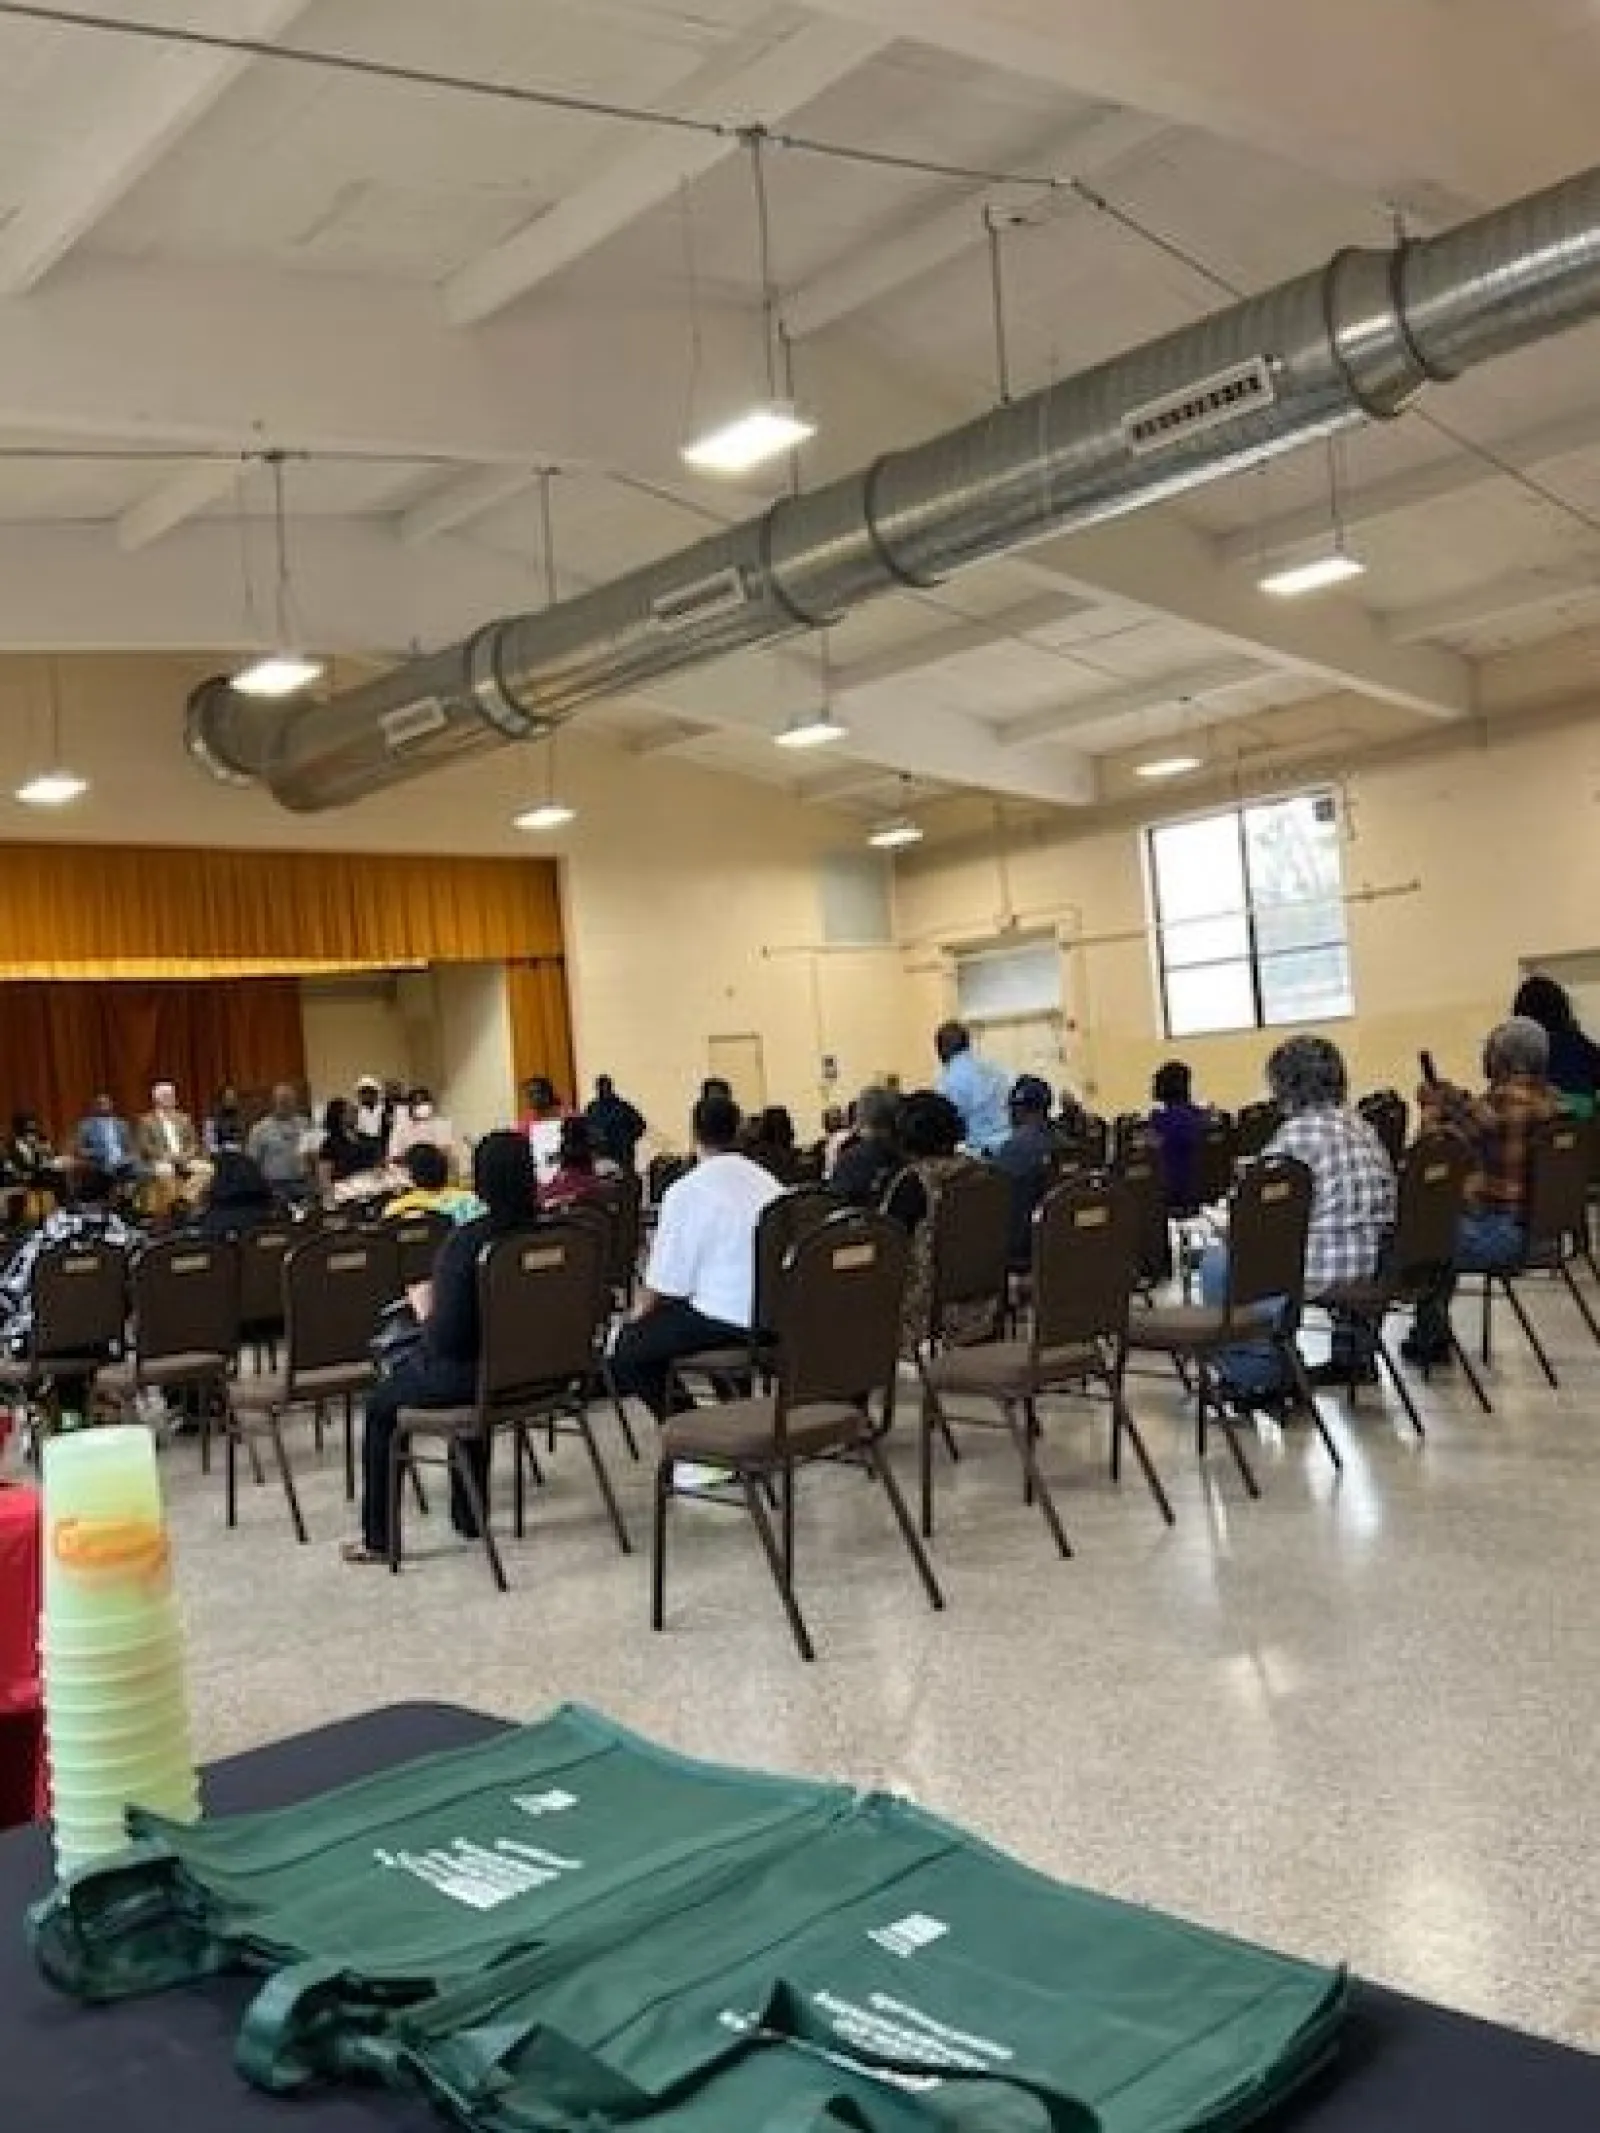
(61,1042)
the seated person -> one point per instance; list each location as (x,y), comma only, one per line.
(372,1121)
(576,1177)
(699,1287)
(87,1217)
(1029,1156)
(871,1159)
(1353,1201)
(1574,1068)
(445,1372)
(430,1190)
(420,1122)
(1176,1123)
(31,1161)
(838,1131)
(344,1153)
(770,1142)
(931,1130)
(237,1199)
(169,1149)
(105,1140)
(278,1143)
(225,1122)
(616,1125)
(1495,1127)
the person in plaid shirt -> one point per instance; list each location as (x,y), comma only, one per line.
(1353,1196)
(1496,1127)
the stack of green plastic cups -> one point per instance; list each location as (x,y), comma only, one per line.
(116,1714)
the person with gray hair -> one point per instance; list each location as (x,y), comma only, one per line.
(1353,1199)
(1497,1127)
(870,1159)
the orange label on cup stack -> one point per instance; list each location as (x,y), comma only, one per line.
(112,1548)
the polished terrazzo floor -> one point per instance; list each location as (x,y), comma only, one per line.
(1357,1719)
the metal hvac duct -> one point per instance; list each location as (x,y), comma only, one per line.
(1356,339)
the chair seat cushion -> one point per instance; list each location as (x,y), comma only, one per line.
(1172,1326)
(743,1432)
(271,1388)
(180,1369)
(1007,1367)
(727,1362)
(437,1421)
(26,1370)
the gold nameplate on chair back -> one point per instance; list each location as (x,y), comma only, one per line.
(539,1259)
(543,1299)
(838,1312)
(851,1256)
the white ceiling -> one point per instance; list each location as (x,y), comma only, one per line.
(420,295)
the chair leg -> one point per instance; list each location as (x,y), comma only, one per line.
(1397,1379)
(1122,1423)
(417,1490)
(230,1475)
(349,1448)
(1471,1375)
(401,1463)
(1580,1300)
(756,1505)
(607,1493)
(619,1408)
(1526,1323)
(1023,1423)
(658,1547)
(1308,1400)
(462,1463)
(786,1516)
(931,1419)
(286,1476)
(1229,1428)
(1486,1310)
(879,1466)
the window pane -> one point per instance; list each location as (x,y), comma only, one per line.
(1218,997)
(1293,855)
(1205,940)
(1197,868)
(1311,986)
(1299,925)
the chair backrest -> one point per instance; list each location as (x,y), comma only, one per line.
(261,1255)
(623,1200)
(80,1299)
(336,1286)
(783,1223)
(1433,1178)
(971,1244)
(1253,1128)
(185,1298)
(1139,1169)
(1216,1155)
(1085,1263)
(1386,1112)
(543,1298)
(838,1311)
(664,1171)
(1558,1182)
(416,1240)
(1269,1223)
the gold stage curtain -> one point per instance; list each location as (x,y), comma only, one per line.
(541,1024)
(74,911)
(61,1043)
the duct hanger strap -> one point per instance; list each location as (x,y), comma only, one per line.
(489,693)
(1367,331)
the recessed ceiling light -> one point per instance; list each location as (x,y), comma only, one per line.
(277,674)
(1315,576)
(749,440)
(892,836)
(52,788)
(812,729)
(548,815)
(1167,766)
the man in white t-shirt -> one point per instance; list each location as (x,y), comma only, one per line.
(700,1284)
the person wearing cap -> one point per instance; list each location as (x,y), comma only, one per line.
(1028,1156)
(977,1087)
(373,1122)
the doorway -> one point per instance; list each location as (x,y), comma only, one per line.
(741,1063)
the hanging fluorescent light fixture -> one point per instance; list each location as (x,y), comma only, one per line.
(895,836)
(1167,766)
(57,786)
(548,815)
(814,729)
(1313,576)
(749,440)
(282,671)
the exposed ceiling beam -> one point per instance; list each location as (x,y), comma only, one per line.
(460,501)
(187,493)
(943,641)
(1188,686)
(761,91)
(1449,474)
(1095,148)
(857,783)
(685,733)
(1514,594)
(164,97)
(1299,82)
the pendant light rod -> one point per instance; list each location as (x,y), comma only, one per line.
(997,303)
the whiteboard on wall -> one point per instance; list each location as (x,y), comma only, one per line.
(1020,980)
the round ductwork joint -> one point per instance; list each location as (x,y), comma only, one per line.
(1367,332)
(490,696)
(202,711)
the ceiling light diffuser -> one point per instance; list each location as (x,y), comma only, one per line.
(1167,766)
(277,674)
(52,788)
(1315,576)
(813,729)
(548,815)
(893,836)
(749,440)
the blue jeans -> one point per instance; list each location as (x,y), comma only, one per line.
(1252,1366)
(1487,1240)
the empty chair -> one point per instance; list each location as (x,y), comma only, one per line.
(261,1253)
(185,1293)
(416,1239)
(1139,1168)
(335,1286)
(543,1303)
(1269,1222)
(623,1199)
(1215,1159)
(80,1313)
(1254,1128)
(1085,1241)
(837,1321)
(1387,1113)
(1556,1232)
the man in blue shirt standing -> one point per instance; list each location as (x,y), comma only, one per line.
(977,1087)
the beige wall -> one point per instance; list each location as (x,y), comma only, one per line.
(474,1081)
(1500,838)
(353,1026)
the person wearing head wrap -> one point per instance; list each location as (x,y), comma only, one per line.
(1497,1128)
